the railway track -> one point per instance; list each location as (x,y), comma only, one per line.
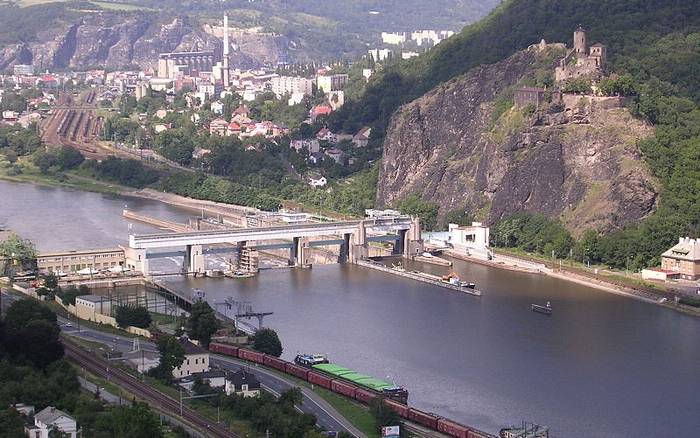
(155,398)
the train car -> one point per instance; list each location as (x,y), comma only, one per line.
(296,370)
(228,350)
(250,355)
(319,379)
(423,418)
(364,395)
(343,388)
(274,362)
(451,428)
(397,407)
(477,434)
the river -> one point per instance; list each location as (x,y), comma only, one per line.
(601,366)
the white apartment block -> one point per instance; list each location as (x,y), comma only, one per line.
(394,38)
(331,82)
(291,85)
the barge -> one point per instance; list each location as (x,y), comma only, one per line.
(390,390)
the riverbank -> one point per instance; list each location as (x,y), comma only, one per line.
(513,261)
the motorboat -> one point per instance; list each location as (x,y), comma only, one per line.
(546,309)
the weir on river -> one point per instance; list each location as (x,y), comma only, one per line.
(601,365)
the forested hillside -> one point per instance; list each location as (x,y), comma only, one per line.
(656,42)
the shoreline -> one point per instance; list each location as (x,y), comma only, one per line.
(573,277)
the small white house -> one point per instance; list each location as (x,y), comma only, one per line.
(470,240)
(215,379)
(51,418)
(318,182)
(242,383)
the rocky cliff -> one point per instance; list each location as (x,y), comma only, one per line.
(460,145)
(118,39)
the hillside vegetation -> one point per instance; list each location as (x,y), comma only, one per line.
(656,42)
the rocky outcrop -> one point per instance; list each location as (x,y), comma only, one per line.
(115,40)
(581,163)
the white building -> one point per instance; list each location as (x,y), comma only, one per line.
(394,38)
(242,383)
(331,82)
(318,182)
(291,85)
(50,419)
(378,55)
(215,379)
(217,107)
(470,240)
(196,360)
(409,55)
(23,70)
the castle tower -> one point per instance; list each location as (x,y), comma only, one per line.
(226,73)
(580,43)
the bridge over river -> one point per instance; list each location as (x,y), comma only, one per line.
(351,236)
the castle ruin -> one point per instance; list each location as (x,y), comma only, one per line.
(582,61)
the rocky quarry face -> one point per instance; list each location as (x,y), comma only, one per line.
(579,161)
(116,40)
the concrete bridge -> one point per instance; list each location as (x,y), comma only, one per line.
(351,236)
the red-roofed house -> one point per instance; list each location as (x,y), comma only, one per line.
(361,139)
(234,129)
(320,110)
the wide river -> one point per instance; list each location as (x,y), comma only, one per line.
(601,366)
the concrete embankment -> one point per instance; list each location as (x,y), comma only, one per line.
(419,276)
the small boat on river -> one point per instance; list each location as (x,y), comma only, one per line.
(546,309)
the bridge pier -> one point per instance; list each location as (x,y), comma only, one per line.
(358,247)
(194,259)
(412,242)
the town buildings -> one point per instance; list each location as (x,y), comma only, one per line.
(328,83)
(291,85)
(242,383)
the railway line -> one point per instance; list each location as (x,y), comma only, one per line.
(155,398)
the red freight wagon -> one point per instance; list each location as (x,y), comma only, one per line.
(423,418)
(451,428)
(343,388)
(254,356)
(397,407)
(228,350)
(477,434)
(296,370)
(364,396)
(319,379)
(274,362)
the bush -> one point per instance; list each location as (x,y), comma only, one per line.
(135,316)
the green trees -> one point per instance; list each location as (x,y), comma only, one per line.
(20,141)
(31,334)
(577,85)
(65,158)
(19,253)
(69,294)
(175,145)
(425,210)
(383,415)
(136,421)
(616,85)
(130,173)
(267,341)
(533,233)
(459,217)
(135,316)
(202,323)
(172,354)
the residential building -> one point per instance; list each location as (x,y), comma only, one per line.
(242,383)
(142,360)
(683,258)
(217,107)
(320,111)
(50,419)
(336,99)
(215,379)
(218,127)
(318,182)
(378,55)
(291,85)
(336,154)
(409,55)
(329,83)
(325,134)
(23,70)
(470,240)
(196,360)
(394,38)
(361,139)
(312,146)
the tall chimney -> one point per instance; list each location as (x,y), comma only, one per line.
(225,35)
(226,74)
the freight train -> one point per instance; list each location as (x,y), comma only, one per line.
(351,390)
